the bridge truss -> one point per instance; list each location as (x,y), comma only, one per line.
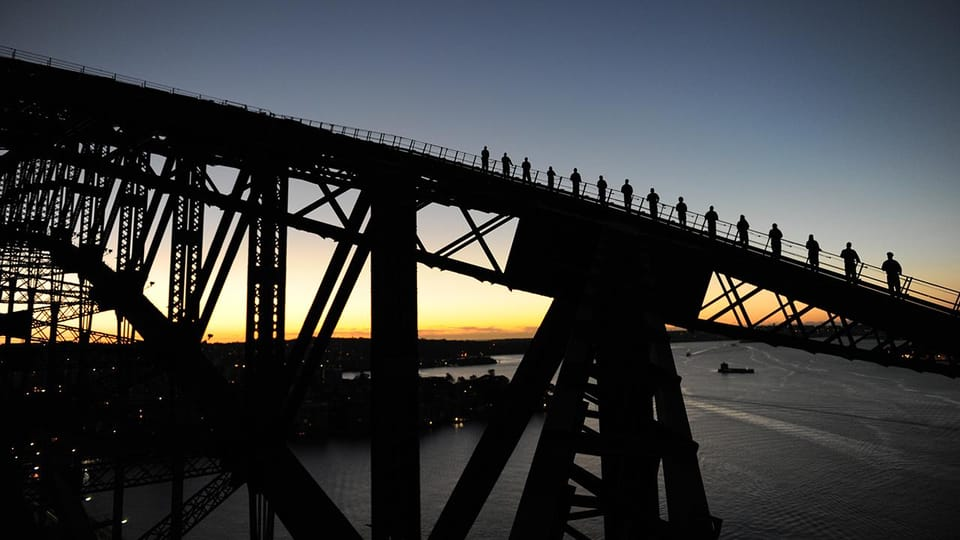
(102,178)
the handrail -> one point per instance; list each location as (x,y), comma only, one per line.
(913,290)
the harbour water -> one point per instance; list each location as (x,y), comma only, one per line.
(809,446)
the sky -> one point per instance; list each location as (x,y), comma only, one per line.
(838,118)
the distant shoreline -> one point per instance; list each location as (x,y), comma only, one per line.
(353,354)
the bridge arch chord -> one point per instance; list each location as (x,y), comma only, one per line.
(836,318)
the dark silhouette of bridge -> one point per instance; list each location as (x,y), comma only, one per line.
(98,172)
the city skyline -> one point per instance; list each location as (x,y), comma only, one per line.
(841,119)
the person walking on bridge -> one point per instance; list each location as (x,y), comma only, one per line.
(893,270)
(775,236)
(602,191)
(550,177)
(850,262)
(507,165)
(743,231)
(627,191)
(711,217)
(575,180)
(682,212)
(485,159)
(813,253)
(526,170)
(652,201)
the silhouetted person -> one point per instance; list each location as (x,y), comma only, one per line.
(813,253)
(775,235)
(652,201)
(850,262)
(743,231)
(711,217)
(550,177)
(507,164)
(602,190)
(627,191)
(485,158)
(893,270)
(682,212)
(526,170)
(575,180)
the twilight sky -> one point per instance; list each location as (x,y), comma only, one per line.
(838,118)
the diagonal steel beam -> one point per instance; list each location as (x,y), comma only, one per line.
(523,397)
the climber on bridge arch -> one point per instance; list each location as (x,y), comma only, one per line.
(507,164)
(627,191)
(893,270)
(850,262)
(682,212)
(652,200)
(711,217)
(485,158)
(550,176)
(575,180)
(743,231)
(775,237)
(602,191)
(526,169)
(813,253)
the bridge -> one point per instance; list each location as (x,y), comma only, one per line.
(100,174)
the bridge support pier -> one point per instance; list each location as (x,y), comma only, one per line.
(394,363)
(617,399)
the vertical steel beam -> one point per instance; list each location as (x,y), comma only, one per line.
(394,363)
(687,508)
(185,259)
(186,248)
(266,290)
(629,463)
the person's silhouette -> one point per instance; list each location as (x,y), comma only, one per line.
(550,177)
(526,170)
(485,158)
(775,237)
(711,217)
(850,262)
(743,231)
(575,180)
(893,270)
(652,201)
(813,253)
(682,212)
(627,191)
(507,165)
(602,190)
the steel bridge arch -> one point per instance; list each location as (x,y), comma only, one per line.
(338,158)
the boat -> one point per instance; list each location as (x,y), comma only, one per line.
(725,368)
(464,359)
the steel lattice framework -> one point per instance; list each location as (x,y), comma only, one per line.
(102,176)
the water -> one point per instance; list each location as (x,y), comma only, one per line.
(810,446)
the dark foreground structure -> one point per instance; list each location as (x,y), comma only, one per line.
(100,174)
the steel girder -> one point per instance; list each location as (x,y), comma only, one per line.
(744,310)
(80,168)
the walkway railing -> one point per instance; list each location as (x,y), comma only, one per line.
(913,289)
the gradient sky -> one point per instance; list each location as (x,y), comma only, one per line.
(838,118)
